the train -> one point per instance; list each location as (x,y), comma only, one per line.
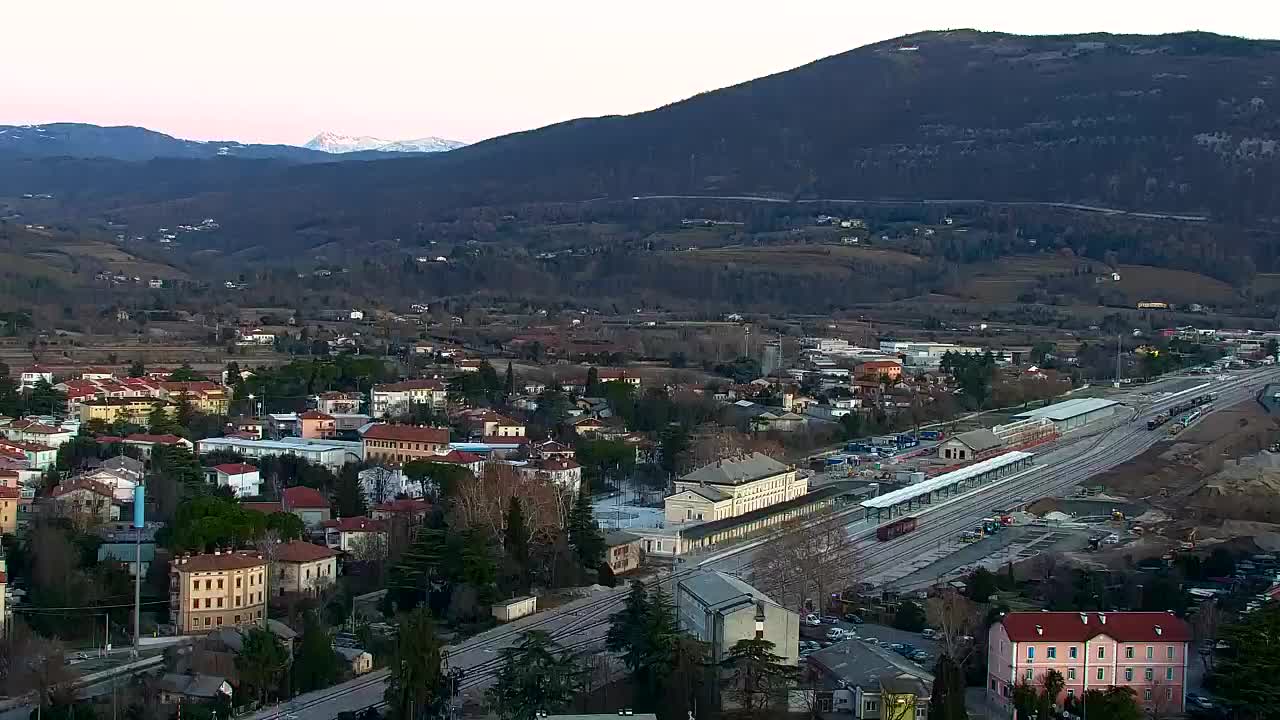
(1189,404)
(897,528)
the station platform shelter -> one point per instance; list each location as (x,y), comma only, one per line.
(911,498)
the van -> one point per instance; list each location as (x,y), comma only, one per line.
(928,634)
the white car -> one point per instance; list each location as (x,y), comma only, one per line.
(836,634)
(812,620)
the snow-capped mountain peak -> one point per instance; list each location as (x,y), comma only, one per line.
(335,143)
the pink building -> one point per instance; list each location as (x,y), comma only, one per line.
(1146,651)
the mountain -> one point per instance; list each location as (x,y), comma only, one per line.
(133,143)
(338,144)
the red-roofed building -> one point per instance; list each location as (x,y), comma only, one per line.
(37,433)
(210,591)
(243,479)
(488,424)
(303,567)
(354,534)
(85,502)
(564,472)
(316,425)
(307,503)
(1144,651)
(343,403)
(145,442)
(37,456)
(411,509)
(470,461)
(394,445)
(552,449)
(10,498)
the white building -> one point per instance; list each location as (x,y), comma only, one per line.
(399,398)
(243,479)
(332,454)
(733,486)
(720,610)
(33,375)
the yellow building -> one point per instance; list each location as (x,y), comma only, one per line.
(134,410)
(394,445)
(215,589)
(4,588)
(303,567)
(205,397)
(9,499)
(731,487)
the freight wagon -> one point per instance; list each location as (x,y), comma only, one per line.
(897,528)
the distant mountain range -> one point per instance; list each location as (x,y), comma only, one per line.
(81,140)
(339,144)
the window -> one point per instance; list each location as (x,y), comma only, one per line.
(219,583)
(1150,651)
(259,614)
(994,685)
(1071,693)
(1169,652)
(1028,675)
(1101,675)
(1071,673)
(238,579)
(195,585)
(1102,652)
(237,619)
(207,603)
(237,601)
(1031,652)
(208,584)
(1168,673)
(1146,694)
(207,622)
(219,619)
(873,706)
(1128,653)
(1073,652)
(195,604)
(1168,693)
(1148,675)
(1051,653)
(219,602)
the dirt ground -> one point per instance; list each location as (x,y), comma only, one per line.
(1217,470)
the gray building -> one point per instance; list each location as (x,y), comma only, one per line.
(858,678)
(720,610)
(1072,414)
(969,445)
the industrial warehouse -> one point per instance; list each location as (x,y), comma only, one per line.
(1072,414)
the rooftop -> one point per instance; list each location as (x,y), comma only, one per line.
(862,665)
(1068,409)
(718,590)
(235,468)
(980,439)
(1081,626)
(299,551)
(355,524)
(301,497)
(407,433)
(215,561)
(406,385)
(890,499)
(736,471)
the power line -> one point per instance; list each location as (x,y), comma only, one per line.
(84,607)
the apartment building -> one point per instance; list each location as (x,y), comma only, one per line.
(1144,651)
(399,398)
(136,410)
(215,589)
(303,567)
(394,445)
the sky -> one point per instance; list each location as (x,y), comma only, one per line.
(280,71)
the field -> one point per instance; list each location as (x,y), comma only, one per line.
(801,258)
(1004,280)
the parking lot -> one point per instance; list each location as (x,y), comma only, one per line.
(882,633)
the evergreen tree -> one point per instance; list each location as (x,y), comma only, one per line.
(538,675)
(423,567)
(233,374)
(628,629)
(137,369)
(661,637)
(758,677)
(416,688)
(947,701)
(584,535)
(44,399)
(315,665)
(515,544)
(593,383)
(511,382)
(185,414)
(261,663)
(348,494)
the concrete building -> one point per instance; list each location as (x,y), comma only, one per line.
(339,403)
(623,551)
(720,610)
(243,479)
(10,497)
(85,502)
(354,534)
(332,454)
(731,487)
(215,589)
(869,681)
(394,445)
(1073,414)
(303,567)
(37,433)
(316,425)
(311,507)
(564,473)
(399,398)
(969,445)
(136,410)
(1144,651)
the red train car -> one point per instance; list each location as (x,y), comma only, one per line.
(897,528)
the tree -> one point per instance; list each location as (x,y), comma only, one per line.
(947,700)
(592,388)
(348,493)
(538,675)
(315,665)
(812,559)
(981,585)
(415,684)
(137,369)
(45,400)
(1051,686)
(584,534)
(910,617)
(1114,703)
(510,385)
(1245,677)
(184,373)
(515,543)
(261,663)
(628,628)
(758,678)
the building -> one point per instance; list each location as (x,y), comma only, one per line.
(177,688)
(315,425)
(303,567)
(204,396)
(354,534)
(861,679)
(307,503)
(215,589)
(720,610)
(874,369)
(357,661)
(1072,414)
(136,410)
(565,473)
(243,479)
(607,375)
(461,458)
(399,398)
(332,454)
(732,487)
(85,502)
(125,554)
(146,443)
(969,445)
(623,551)
(1144,651)
(394,445)
(4,592)
(340,403)
(33,375)
(10,498)
(411,510)
(120,481)
(489,424)
(37,433)
(37,456)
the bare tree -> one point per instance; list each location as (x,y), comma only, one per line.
(31,663)
(483,502)
(1207,621)
(811,554)
(954,617)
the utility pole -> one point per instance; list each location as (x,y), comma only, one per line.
(1117,361)
(139,523)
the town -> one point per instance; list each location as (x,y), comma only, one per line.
(812,527)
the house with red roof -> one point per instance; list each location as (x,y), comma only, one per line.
(37,433)
(146,442)
(37,456)
(461,458)
(413,510)
(85,502)
(317,425)
(1144,651)
(565,473)
(242,478)
(307,503)
(392,445)
(354,534)
(302,567)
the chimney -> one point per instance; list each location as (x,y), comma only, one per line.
(1039,630)
(1102,618)
(1159,630)
(1084,618)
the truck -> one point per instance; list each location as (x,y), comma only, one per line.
(895,529)
(906,440)
(932,435)
(857,447)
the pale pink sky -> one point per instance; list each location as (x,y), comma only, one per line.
(283,70)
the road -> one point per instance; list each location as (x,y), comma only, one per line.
(582,624)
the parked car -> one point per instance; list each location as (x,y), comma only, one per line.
(830,619)
(895,646)
(836,634)
(853,618)
(812,620)
(1199,701)
(809,644)
(928,633)
(871,640)
(919,656)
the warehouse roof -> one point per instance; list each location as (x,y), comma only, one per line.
(979,440)
(736,470)
(1068,409)
(717,591)
(910,492)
